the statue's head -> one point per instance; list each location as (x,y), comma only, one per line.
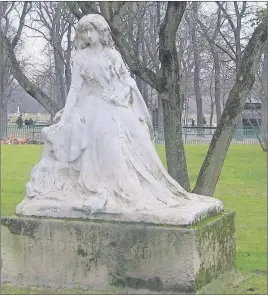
(92,28)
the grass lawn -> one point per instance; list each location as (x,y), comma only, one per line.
(242,187)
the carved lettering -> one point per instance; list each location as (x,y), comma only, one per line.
(49,245)
(71,246)
(30,244)
(84,248)
(141,252)
(61,246)
(146,253)
(134,251)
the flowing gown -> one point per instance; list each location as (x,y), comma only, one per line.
(103,159)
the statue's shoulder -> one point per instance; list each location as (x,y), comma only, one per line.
(79,58)
(118,55)
(114,55)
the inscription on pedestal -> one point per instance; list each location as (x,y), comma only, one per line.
(70,246)
(140,252)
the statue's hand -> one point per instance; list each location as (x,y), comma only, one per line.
(121,95)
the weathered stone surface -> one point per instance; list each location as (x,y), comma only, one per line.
(98,255)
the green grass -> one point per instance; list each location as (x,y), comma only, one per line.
(242,187)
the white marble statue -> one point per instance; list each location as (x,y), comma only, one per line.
(99,156)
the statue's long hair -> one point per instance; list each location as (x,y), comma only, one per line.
(100,25)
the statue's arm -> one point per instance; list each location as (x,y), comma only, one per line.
(75,88)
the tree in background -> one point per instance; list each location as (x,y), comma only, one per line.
(14,32)
(245,78)
(8,45)
(53,22)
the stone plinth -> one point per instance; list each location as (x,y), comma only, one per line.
(102,255)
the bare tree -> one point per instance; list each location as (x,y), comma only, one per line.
(8,46)
(233,45)
(245,78)
(53,22)
(192,22)
(15,33)
(210,35)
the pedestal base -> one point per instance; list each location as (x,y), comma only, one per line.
(104,255)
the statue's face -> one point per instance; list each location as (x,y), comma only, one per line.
(90,34)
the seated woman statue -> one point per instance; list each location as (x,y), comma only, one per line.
(99,159)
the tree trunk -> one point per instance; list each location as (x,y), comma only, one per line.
(144,59)
(175,153)
(139,83)
(217,82)
(145,93)
(171,96)
(60,85)
(197,89)
(239,125)
(212,102)
(59,63)
(68,72)
(198,98)
(264,104)
(160,114)
(3,119)
(212,165)
(3,102)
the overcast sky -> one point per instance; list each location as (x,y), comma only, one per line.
(34,46)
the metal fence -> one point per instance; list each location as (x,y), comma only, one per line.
(34,133)
(203,135)
(191,135)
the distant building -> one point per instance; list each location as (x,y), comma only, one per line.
(251,114)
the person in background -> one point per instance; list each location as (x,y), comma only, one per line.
(30,123)
(19,121)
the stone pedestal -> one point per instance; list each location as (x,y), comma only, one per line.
(107,255)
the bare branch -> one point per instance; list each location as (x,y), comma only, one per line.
(21,24)
(10,9)
(236,9)
(218,25)
(40,32)
(73,6)
(244,6)
(226,15)
(228,43)
(225,51)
